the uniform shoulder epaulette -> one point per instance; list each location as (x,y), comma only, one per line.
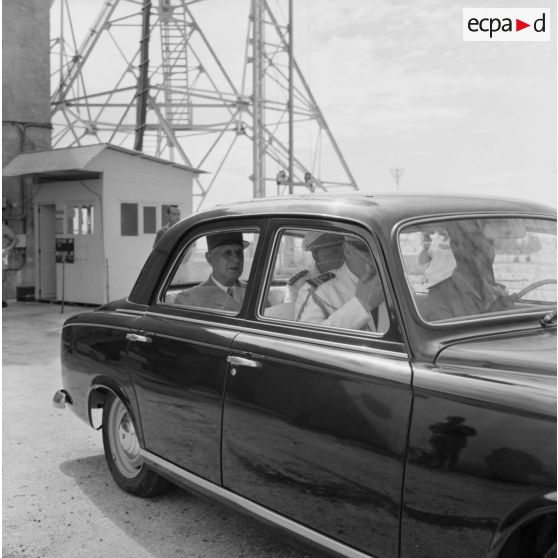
(320,279)
(292,280)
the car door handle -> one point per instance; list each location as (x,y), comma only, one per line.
(138,338)
(239,361)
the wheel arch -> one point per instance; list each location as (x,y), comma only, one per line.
(534,519)
(100,388)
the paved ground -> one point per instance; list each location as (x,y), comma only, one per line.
(59,500)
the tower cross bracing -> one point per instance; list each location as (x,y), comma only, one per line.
(145,76)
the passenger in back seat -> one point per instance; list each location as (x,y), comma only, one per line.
(327,251)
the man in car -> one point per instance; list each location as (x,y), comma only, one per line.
(349,297)
(222,290)
(470,288)
(327,252)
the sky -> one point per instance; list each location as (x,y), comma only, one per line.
(399,88)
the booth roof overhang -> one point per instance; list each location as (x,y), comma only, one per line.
(71,163)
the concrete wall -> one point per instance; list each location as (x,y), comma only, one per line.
(131,179)
(25,118)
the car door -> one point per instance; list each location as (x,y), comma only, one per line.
(178,359)
(315,417)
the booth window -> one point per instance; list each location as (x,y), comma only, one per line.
(59,221)
(81,220)
(149,219)
(129,219)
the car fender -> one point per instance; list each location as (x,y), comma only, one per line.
(520,517)
(96,397)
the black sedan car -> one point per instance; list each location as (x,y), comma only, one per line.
(375,375)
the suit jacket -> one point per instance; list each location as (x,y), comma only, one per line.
(160,234)
(209,295)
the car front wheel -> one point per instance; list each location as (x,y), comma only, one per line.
(122,452)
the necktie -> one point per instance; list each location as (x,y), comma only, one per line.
(230,292)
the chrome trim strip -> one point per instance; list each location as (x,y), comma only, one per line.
(133,312)
(303,336)
(86,324)
(190,480)
(235,327)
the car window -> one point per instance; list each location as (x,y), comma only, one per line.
(470,267)
(327,278)
(212,271)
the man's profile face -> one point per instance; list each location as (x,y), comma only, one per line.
(227,262)
(359,259)
(174,215)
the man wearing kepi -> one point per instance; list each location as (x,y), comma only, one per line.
(223,290)
(327,252)
(349,297)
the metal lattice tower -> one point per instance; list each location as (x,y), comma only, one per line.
(145,76)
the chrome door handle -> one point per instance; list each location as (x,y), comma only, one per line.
(239,361)
(138,338)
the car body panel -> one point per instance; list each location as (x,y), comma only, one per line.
(93,351)
(473,456)
(179,379)
(518,351)
(338,473)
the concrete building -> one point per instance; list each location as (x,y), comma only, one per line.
(97,209)
(25,120)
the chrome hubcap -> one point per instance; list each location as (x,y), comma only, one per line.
(124,441)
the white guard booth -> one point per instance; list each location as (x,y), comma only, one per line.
(96,212)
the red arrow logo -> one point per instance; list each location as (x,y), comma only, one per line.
(519,25)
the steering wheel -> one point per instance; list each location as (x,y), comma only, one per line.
(532,287)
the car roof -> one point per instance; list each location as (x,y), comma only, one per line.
(384,210)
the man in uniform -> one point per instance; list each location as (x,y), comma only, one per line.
(222,290)
(349,297)
(327,252)
(173,216)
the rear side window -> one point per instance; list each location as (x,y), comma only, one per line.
(212,271)
(326,278)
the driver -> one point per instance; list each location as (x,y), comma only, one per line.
(470,288)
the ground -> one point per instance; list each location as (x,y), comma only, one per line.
(59,500)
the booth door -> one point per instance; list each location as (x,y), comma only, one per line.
(47,253)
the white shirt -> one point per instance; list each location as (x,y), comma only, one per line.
(334,303)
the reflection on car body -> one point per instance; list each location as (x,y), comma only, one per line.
(427,413)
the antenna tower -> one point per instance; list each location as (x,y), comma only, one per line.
(145,76)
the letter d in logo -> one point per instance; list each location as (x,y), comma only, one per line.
(540,24)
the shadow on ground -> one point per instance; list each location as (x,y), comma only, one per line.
(177,520)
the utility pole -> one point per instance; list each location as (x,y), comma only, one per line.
(143,80)
(397,174)
(290,101)
(258,96)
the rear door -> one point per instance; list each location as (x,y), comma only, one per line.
(178,357)
(315,417)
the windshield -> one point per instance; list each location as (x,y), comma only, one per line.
(471,267)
